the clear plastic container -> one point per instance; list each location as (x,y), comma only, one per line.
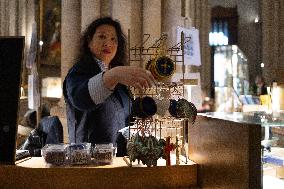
(103,154)
(54,154)
(79,154)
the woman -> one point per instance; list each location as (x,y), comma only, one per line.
(95,87)
(259,86)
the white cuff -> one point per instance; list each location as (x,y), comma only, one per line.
(97,89)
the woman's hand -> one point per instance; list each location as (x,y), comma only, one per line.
(128,75)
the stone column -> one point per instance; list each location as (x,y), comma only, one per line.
(188,12)
(12,17)
(126,18)
(151,24)
(70,40)
(70,32)
(199,12)
(135,27)
(136,30)
(152,20)
(4,21)
(30,19)
(21,26)
(2,10)
(121,11)
(90,11)
(106,8)
(205,26)
(171,18)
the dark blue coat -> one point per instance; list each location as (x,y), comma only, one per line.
(87,121)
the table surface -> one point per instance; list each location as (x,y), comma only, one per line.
(35,173)
(118,162)
(260,118)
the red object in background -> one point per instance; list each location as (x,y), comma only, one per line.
(167,150)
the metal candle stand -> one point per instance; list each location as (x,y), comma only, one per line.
(143,144)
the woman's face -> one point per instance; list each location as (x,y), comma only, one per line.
(104,43)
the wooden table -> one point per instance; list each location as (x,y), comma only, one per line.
(35,173)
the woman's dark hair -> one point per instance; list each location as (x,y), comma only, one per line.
(120,57)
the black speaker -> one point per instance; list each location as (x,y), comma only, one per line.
(11,57)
